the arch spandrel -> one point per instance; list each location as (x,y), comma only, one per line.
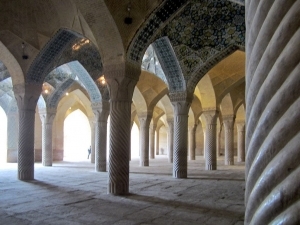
(226,105)
(139,101)
(240,114)
(206,93)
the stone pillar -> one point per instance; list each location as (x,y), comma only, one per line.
(121,81)
(157,141)
(101,111)
(152,141)
(228,122)
(92,124)
(204,139)
(170,139)
(47,117)
(241,141)
(181,110)
(192,141)
(12,136)
(145,119)
(210,139)
(27,96)
(272,112)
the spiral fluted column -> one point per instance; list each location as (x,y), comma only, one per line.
(152,141)
(157,140)
(241,141)
(26,97)
(192,141)
(181,109)
(211,139)
(12,136)
(93,133)
(229,135)
(101,111)
(121,79)
(170,139)
(145,119)
(272,112)
(47,117)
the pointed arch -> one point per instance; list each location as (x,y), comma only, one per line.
(206,93)
(226,105)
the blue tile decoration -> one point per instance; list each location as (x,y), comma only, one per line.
(170,65)
(153,24)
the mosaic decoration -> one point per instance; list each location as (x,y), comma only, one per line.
(3,72)
(153,24)
(169,64)
(88,83)
(204,29)
(58,93)
(85,52)
(45,60)
(151,63)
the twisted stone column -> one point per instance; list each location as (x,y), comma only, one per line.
(181,109)
(92,124)
(157,141)
(27,97)
(170,139)
(229,135)
(121,79)
(47,117)
(192,141)
(152,141)
(204,139)
(211,139)
(241,141)
(12,137)
(101,111)
(272,112)
(145,119)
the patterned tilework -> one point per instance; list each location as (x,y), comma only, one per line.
(46,59)
(151,63)
(3,72)
(145,35)
(170,65)
(91,87)
(203,29)
(53,100)
(87,54)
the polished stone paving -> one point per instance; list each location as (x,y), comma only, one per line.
(73,193)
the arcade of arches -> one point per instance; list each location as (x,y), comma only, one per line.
(212,78)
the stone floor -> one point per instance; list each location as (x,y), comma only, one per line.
(72,193)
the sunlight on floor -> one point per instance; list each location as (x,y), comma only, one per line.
(77,137)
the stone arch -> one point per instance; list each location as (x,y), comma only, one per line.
(240,113)
(205,92)
(12,65)
(170,64)
(165,104)
(226,105)
(139,101)
(151,27)
(209,64)
(58,51)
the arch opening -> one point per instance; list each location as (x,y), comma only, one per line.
(77,137)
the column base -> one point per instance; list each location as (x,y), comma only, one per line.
(26,175)
(179,174)
(240,160)
(192,158)
(47,164)
(101,167)
(210,167)
(229,163)
(118,189)
(144,163)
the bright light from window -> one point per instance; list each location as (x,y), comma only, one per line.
(3,136)
(77,137)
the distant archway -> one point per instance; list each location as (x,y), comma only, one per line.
(3,136)
(77,136)
(135,141)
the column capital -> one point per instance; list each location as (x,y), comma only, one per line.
(101,110)
(27,95)
(228,121)
(47,115)
(240,125)
(121,80)
(211,116)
